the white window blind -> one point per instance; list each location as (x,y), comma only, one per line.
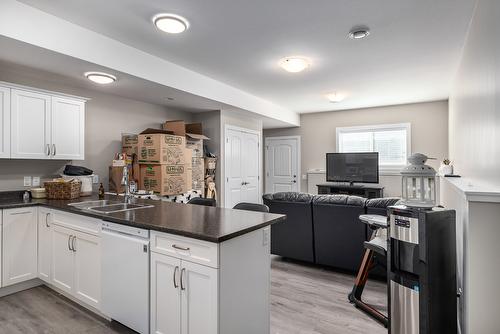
(391,141)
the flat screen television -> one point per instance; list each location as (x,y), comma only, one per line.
(352,167)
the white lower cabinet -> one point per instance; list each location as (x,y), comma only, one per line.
(184,296)
(76,264)
(19,245)
(44,244)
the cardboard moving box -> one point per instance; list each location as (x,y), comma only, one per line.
(162,148)
(130,143)
(164,179)
(178,128)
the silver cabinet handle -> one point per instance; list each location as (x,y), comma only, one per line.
(183,270)
(53,149)
(180,247)
(47,219)
(73,243)
(47,149)
(176,270)
(69,242)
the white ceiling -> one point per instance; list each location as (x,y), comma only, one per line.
(411,55)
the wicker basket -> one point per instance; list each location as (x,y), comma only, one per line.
(63,190)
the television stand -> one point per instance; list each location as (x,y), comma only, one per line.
(349,189)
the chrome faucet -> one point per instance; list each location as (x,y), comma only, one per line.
(125,182)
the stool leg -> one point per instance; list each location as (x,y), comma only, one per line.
(359,286)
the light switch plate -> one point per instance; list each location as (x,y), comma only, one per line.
(266,236)
(95,179)
(36,181)
(27,181)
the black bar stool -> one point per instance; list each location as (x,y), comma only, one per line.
(377,244)
(202,201)
(251,207)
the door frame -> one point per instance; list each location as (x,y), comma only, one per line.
(299,158)
(224,177)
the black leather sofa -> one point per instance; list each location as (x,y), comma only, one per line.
(322,229)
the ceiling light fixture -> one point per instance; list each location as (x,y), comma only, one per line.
(171,23)
(294,64)
(359,32)
(100,77)
(335,97)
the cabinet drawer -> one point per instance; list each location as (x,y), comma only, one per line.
(77,222)
(197,251)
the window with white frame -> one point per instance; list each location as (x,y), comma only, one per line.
(392,141)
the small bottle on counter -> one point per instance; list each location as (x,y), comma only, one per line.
(101,191)
(26,196)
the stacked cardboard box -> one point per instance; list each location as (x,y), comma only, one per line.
(193,134)
(164,163)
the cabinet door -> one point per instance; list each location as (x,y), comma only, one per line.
(68,129)
(87,249)
(4,122)
(199,299)
(30,125)
(165,294)
(19,245)
(62,258)
(44,244)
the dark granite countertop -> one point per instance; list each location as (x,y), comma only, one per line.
(194,221)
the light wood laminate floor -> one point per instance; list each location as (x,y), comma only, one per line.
(304,300)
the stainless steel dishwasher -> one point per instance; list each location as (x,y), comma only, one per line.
(125,275)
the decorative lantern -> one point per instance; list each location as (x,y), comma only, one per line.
(419,183)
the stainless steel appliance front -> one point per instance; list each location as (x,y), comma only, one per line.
(404,228)
(404,309)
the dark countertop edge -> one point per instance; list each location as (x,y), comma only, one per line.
(145,226)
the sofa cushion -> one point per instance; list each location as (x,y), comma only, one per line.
(294,237)
(289,197)
(339,200)
(378,206)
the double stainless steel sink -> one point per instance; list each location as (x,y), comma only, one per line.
(108,206)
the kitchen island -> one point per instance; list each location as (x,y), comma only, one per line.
(207,269)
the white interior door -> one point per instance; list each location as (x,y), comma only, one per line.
(68,117)
(282,164)
(242,167)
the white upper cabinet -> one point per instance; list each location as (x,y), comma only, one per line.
(4,122)
(68,129)
(37,124)
(30,130)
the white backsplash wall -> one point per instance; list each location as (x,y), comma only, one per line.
(106,117)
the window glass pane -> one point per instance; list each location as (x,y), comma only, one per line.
(389,142)
(356,142)
(391,146)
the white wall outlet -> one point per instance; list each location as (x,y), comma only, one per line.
(27,181)
(36,181)
(95,179)
(304,177)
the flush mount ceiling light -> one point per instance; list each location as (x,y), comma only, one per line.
(100,77)
(359,32)
(171,23)
(294,64)
(335,97)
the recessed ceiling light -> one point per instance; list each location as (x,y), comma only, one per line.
(359,32)
(100,77)
(171,23)
(335,97)
(294,64)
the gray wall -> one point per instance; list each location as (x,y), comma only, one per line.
(429,130)
(475,99)
(107,116)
